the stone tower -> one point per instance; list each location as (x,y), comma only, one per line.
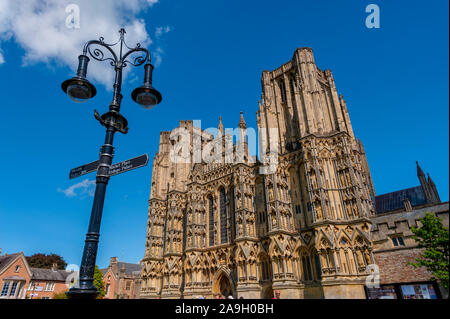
(322,188)
(230,227)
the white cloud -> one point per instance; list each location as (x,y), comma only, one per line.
(39,27)
(85,187)
(162,30)
(157,56)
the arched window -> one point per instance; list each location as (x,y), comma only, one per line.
(223,217)
(211,221)
(282,91)
(306,265)
(318,266)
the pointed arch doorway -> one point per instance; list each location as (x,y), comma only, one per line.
(223,284)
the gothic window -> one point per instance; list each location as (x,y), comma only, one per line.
(318,267)
(223,217)
(232,213)
(211,221)
(291,87)
(283,91)
(307,275)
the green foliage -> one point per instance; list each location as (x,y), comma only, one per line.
(60,295)
(46,261)
(434,237)
(98,282)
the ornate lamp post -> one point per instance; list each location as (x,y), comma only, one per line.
(80,90)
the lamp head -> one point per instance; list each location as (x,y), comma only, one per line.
(146,95)
(78,88)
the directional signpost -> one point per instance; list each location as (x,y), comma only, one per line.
(83,170)
(114,169)
(129,165)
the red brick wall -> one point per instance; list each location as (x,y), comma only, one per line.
(58,288)
(394,268)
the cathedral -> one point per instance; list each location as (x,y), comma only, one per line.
(234,227)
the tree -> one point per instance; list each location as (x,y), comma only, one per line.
(98,282)
(60,295)
(434,237)
(46,261)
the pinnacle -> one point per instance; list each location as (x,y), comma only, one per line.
(242,123)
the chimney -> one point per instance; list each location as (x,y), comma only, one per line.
(113,260)
(54,266)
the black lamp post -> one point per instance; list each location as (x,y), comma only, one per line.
(80,90)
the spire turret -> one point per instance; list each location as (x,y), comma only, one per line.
(419,170)
(220,127)
(242,123)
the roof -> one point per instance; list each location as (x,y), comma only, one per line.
(49,274)
(129,268)
(6,260)
(15,278)
(393,201)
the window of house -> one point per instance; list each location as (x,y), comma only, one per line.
(17,268)
(13,289)
(107,290)
(128,285)
(5,289)
(398,241)
(45,297)
(32,285)
(49,286)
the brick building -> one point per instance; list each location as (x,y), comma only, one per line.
(44,283)
(122,280)
(15,275)
(394,246)
(19,281)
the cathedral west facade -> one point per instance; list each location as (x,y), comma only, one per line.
(236,227)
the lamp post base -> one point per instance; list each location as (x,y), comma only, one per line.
(78,293)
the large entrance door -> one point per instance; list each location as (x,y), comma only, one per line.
(223,285)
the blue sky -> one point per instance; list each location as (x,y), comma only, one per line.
(394,79)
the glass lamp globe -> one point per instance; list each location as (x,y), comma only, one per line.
(147,100)
(146,96)
(79,93)
(79,89)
